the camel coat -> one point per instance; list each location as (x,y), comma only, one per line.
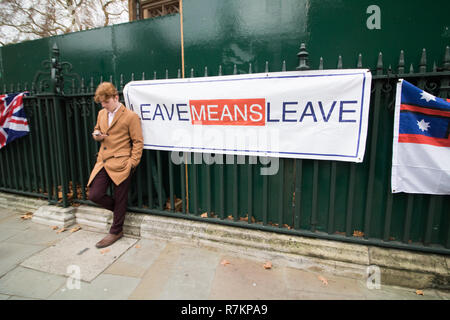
(121,150)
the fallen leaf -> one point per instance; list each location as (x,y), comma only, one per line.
(54,227)
(230,218)
(27,216)
(357,233)
(224,262)
(340,233)
(103,251)
(268,265)
(138,246)
(177,204)
(61,230)
(204,215)
(419,292)
(75,229)
(324,281)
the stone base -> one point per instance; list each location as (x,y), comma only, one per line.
(413,270)
(20,204)
(133,223)
(94,218)
(100,220)
(55,216)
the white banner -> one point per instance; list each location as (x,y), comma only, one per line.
(308,114)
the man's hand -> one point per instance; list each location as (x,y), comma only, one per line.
(98,136)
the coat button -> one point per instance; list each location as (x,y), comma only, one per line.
(104,148)
(104,161)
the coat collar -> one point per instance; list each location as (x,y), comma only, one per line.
(117,116)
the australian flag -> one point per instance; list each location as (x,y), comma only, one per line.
(13,121)
(421,146)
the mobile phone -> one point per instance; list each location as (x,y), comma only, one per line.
(97,134)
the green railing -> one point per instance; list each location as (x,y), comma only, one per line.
(324,199)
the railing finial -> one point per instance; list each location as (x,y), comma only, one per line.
(359,63)
(401,62)
(447,59)
(423,62)
(380,64)
(303,58)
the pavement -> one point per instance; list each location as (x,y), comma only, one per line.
(38,262)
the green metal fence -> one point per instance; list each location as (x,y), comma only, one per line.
(324,199)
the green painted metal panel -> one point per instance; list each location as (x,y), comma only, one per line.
(148,46)
(22,61)
(255,31)
(143,46)
(243,32)
(338,27)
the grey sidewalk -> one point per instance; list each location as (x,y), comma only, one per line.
(36,262)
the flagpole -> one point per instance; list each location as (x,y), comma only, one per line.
(182,72)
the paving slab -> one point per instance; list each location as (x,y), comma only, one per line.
(6,233)
(247,279)
(137,259)
(15,222)
(29,283)
(444,295)
(192,275)
(12,254)
(22,298)
(38,235)
(104,287)
(4,297)
(157,274)
(400,293)
(6,213)
(78,249)
(302,283)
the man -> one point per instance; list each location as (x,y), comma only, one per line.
(120,133)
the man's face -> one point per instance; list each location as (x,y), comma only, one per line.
(110,104)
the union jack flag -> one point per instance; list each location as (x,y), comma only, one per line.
(13,120)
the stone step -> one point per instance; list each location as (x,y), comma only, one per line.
(54,216)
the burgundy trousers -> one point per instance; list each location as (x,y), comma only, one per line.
(118,204)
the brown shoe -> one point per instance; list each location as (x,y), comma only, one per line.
(109,240)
